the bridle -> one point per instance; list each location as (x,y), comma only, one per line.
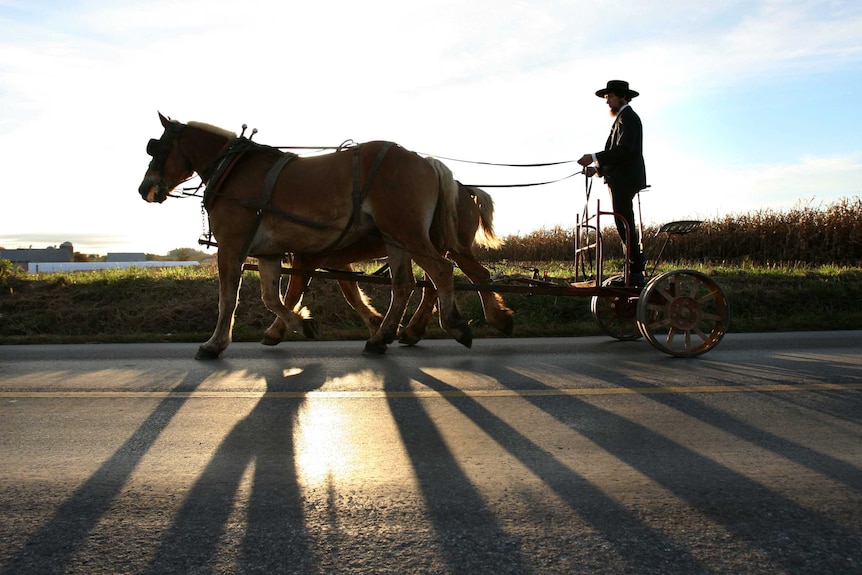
(159,150)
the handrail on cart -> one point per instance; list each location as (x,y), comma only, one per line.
(598,244)
(582,223)
(680,227)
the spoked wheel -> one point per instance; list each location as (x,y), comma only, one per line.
(683,313)
(616,315)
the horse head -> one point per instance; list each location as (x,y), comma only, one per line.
(169,167)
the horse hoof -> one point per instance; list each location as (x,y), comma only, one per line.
(206,353)
(310,328)
(466,338)
(270,340)
(374,348)
(408,338)
(404,340)
(508,326)
(411,335)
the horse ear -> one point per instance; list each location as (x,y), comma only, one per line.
(165,121)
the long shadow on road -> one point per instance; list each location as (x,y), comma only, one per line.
(470,538)
(797,539)
(273,537)
(51,549)
(616,524)
(255,465)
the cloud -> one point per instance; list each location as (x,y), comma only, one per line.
(824,178)
(506,82)
(700,189)
(732,46)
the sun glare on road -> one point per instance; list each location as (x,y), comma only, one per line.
(337,435)
(322,442)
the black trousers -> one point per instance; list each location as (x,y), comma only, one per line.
(623,206)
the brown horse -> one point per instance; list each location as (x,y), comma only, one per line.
(475,224)
(265,203)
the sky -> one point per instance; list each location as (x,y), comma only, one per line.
(746,106)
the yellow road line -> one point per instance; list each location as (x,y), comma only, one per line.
(428,393)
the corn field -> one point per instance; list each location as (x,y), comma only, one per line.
(800,236)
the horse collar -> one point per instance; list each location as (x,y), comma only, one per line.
(226,159)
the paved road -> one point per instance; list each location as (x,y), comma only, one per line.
(579,455)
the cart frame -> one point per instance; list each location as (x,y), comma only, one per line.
(683,313)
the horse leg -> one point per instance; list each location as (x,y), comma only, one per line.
(356,298)
(440,270)
(403,283)
(270,292)
(496,312)
(229,280)
(275,333)
(292,301)
(353,295)
(415,330)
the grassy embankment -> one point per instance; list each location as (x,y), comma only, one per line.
(796,270)
(179,304)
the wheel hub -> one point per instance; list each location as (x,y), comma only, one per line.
(684,313)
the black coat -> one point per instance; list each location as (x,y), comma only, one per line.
(622,161)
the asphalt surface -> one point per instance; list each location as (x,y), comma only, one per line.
(581,455)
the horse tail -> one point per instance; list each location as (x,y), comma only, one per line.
(444,227)
(485,235)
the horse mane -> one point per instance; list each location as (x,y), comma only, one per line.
(213,129)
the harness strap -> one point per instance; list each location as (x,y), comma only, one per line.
(262,204)
(357,183)
(357,201)
(271,177)
(360,190)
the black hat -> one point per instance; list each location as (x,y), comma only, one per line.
(617,87)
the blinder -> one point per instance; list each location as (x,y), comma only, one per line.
(153,147)
(159,149)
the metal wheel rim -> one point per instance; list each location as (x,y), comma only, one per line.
(616,316)
(683,313)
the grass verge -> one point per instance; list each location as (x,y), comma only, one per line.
(180,304)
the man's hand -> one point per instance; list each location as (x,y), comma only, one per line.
(586,160)
(590,171)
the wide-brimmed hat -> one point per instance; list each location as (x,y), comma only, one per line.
(617,87)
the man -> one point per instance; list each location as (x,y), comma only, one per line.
(621,164)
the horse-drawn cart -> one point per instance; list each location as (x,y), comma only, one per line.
(365,201)
(683,312)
